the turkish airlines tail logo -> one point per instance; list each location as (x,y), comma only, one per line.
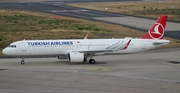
(157,30)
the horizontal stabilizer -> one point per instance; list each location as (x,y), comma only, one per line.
(158,42)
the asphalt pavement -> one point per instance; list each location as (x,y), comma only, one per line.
(155,71)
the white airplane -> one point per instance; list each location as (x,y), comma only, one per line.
(78,50)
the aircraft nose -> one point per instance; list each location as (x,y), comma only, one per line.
(5,52)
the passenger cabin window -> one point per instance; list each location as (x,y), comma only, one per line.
(12,46)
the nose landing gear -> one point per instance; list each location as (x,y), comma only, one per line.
(22,62)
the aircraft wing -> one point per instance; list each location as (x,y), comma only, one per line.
(115,47)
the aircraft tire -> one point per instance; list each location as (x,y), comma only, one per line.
(92,61)
(22,62)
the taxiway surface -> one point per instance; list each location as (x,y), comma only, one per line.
(155,71)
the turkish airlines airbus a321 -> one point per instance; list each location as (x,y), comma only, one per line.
(78,50)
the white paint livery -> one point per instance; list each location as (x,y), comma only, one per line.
(78,50)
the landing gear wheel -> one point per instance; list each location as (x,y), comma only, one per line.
(22,62)
(92,61)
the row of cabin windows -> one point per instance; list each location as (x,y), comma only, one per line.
(67,45)
(71,45)
(14,46)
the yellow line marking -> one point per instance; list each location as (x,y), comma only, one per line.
(92,69)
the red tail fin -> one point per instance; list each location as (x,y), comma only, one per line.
(157,30)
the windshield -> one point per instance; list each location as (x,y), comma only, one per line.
(13,46)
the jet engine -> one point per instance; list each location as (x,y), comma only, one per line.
(75,57)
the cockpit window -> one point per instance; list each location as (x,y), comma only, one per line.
(12,46)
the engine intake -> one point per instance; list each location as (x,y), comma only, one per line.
(75,57)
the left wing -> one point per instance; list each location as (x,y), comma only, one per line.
(115,47)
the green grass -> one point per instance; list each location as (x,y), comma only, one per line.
(158,11)
(20,26)
(19,23)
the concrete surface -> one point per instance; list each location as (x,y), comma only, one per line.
(155,71)
(139,22)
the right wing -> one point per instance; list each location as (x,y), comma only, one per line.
(86,37)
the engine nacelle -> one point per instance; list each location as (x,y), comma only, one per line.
(75,57)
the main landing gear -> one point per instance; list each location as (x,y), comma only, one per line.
(22,62)
(91,61)
(85,59)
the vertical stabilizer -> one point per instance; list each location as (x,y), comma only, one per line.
(157,30)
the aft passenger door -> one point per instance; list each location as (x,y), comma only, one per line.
(143,43)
